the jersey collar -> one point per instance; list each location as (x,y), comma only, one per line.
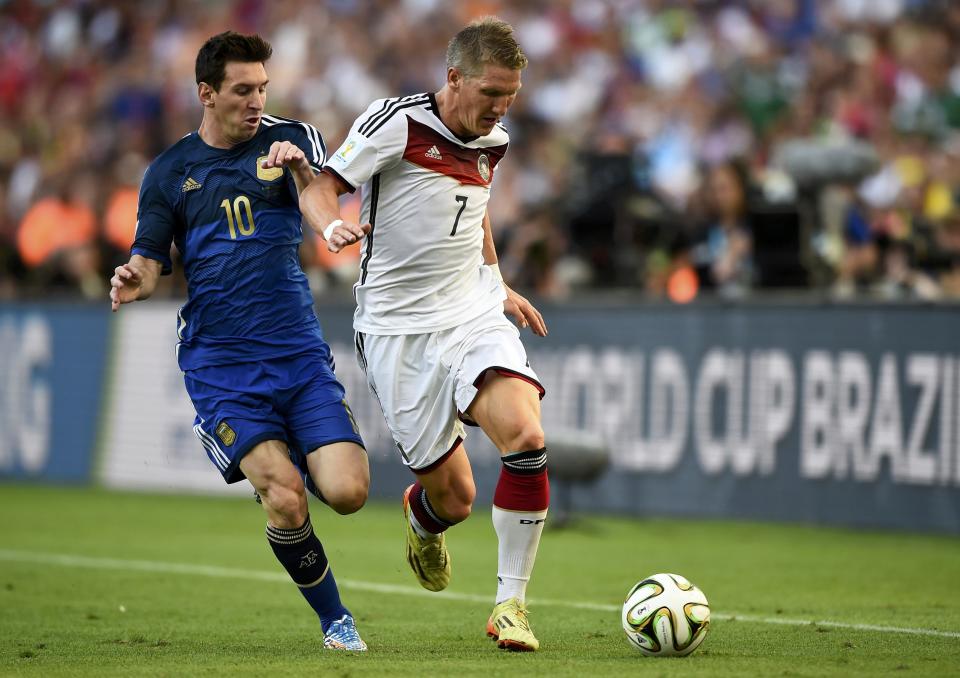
(435,109)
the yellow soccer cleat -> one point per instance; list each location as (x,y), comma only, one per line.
(509,626)
(428,559)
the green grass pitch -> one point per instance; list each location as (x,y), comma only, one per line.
(98,583)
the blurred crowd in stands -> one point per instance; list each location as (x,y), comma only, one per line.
(677,149)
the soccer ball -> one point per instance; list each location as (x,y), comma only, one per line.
(665,615)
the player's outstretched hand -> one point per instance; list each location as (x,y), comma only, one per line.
(284,153)
(524,313)
(125,286)
(345,235)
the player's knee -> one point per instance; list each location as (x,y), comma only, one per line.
(289,505)
(527,436)
(348,497)
(285,497)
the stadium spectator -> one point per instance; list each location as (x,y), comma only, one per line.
(948,243)
(120,215)
(682,84)
(723,258)
(10,263)
(57,237)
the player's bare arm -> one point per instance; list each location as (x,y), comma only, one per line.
(320,206)
(287,154)
(133,280)
(516,306)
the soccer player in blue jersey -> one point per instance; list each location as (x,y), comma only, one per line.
(269,407)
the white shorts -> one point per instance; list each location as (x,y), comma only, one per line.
(426,382)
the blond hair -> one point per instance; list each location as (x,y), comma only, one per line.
(487,40)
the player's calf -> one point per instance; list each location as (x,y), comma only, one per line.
(448,503)
(289,532)
(302,555)
(520,505)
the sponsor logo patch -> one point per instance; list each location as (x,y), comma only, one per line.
(190,184)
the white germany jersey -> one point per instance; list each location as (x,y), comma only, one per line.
(425,193)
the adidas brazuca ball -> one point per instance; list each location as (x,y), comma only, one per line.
(665,615)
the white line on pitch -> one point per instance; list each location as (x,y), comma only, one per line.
(394,589)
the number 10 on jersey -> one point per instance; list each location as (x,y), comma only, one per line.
(235,217)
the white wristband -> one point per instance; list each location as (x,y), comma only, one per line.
(496,271)
(328,231)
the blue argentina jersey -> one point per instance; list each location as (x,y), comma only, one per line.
(238,228)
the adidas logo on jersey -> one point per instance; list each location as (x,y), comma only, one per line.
(190,184)
(434,153)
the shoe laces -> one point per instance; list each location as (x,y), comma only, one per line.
(522,614)
(344,630)
(433,553)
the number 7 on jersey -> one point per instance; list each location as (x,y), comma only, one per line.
(462,199)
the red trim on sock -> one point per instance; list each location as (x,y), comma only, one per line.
(516,492)
(416,507)
(438,462)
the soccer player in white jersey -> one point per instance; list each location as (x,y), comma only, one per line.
(431,331)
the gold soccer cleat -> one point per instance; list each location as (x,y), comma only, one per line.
(509,626)
(428,559)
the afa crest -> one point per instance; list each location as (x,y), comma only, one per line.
(226,434)
(265,173)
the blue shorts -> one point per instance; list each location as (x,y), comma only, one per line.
(297,400)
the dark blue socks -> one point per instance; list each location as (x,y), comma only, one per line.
(300,552)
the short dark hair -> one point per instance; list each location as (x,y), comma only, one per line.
(228,46)
(487,40)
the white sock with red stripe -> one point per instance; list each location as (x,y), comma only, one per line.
(519,511)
